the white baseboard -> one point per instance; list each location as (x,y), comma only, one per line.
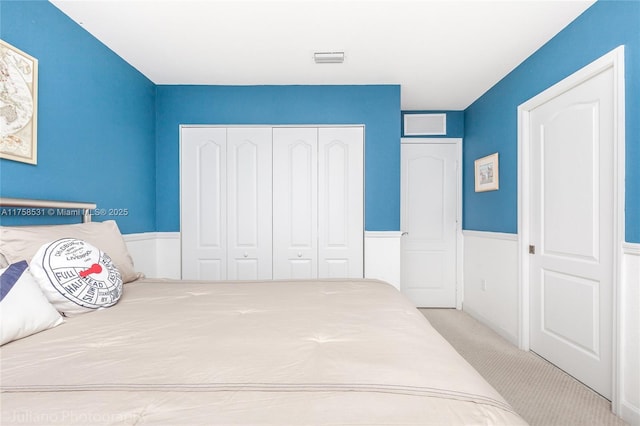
(630,414)
(511,338)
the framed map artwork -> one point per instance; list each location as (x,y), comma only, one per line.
(18,104)
(486,173)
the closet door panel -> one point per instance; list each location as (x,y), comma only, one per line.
(263,202)
(340,202)
(295,218)
(203,195)
(249,203)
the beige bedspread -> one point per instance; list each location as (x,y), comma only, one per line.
(254,353)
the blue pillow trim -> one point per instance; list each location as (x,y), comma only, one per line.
(11,276)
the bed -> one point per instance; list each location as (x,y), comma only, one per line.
(169,352)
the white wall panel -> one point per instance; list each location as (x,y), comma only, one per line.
(629,358)
(382,256)
(491,281)
(155,254)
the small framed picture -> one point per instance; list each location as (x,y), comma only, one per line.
(486,172)
(18,104)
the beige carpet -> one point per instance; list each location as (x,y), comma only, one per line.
(541,393)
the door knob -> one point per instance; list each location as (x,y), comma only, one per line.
(245,255)
(299,254)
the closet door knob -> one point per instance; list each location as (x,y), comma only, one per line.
(245,255)
(299,254)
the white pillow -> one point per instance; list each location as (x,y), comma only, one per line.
(24,310)
(76,277)
(21,242)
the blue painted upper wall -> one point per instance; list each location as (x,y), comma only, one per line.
(491,122)
(455,123)
(377,107)
(96,119)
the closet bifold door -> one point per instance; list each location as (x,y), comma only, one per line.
(295,195)
(203,193)
(340,202)
(249,203)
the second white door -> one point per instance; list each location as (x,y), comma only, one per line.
(572,229)
(429,197)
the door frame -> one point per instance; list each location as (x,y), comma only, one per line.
(614,59)
(459,237)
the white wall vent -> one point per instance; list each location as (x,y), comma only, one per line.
(425,124)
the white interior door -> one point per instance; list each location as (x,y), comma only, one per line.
(249,203)
(203,211)
(340,202)
(429,196)
(572,272)
(295,203)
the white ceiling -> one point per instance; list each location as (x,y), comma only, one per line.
(444,54)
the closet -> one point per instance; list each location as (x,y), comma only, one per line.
(271,202)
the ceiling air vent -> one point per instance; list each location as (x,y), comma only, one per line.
(425,124)
(328,57)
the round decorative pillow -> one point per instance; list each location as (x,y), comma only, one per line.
(75,276)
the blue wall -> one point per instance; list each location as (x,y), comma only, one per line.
(377,107)
(98,116)
(455,123)
(96,120)
(491,122)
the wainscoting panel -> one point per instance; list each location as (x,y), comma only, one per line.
(156,254)
(491,281)
(491,295)
(629,358)
(382,256)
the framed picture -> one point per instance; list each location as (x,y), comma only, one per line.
(486,172)
(18,105)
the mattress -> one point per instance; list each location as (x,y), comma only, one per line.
(322,352)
